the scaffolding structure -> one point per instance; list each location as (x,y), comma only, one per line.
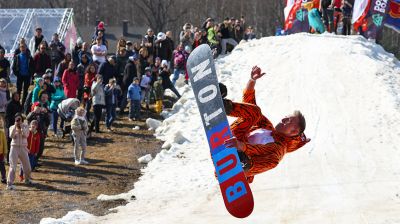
(21,23)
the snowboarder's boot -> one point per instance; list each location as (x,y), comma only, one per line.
(228,106)
(223,90)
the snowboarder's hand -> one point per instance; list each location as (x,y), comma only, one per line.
(234,143)
(256,73)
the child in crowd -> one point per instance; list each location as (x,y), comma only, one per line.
(19,133)
(79,128)
(145,87)
(159,94)
(33,146)
(3,153)
(134,95)
(112,92)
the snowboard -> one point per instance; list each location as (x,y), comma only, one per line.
(234,187)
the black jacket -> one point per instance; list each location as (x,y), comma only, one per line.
(130,73)
(12,108)
(16,68)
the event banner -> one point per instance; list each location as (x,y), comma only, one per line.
(296,19)
(376,17)
(360,11)
(393,16)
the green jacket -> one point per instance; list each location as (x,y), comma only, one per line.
(212,35)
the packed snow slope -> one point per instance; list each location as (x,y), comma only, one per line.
(349,91)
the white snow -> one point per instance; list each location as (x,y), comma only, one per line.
(349,91)
(145,159)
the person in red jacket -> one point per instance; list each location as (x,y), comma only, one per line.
(70,80)
(260,145)
(33,146)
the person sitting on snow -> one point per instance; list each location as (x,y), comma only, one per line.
(260,145)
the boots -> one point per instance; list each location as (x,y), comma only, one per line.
(227,103)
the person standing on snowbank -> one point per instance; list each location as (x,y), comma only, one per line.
(260,145)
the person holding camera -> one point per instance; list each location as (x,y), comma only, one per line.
(186,36)
(19,133)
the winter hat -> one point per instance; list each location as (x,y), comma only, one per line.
(164,63)
(161,36)
(100,26)
(188,49)
(49,70)
(79,41)
(133,57)
(147,69)
(57,79)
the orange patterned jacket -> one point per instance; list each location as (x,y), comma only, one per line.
(264,157)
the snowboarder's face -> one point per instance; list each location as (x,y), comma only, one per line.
(289,126)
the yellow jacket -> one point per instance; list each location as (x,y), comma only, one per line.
(3,142)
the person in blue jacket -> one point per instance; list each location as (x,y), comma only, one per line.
(134,95)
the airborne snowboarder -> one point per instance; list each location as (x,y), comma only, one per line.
(260,145)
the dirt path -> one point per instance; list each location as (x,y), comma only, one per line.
(60,186)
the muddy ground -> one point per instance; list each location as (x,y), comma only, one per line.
(60,186)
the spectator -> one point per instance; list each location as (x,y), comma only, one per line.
(13,107)
(98,100)
(4,66)
(18,133)
(171,43)
(180,57)
(42,61)
(23,42)
(163,47)
(186,36)
(120,44)
(249,35)
(197,40)
(66,110)
(347,14)
(134,95)
(63,65)
(129,49)
(148,42)
(130,73)
(23,68)
(79,128)
(90,76)
(166,82)
(159,94)
(77,50)
(3,153)
(99,51)
(56,99)
(112,93)
(33,146)
(4,98)
(50,89)
(212,35)
(81,69)
(326,6)
(40,112)
(108,69)
(226,37)
(99,33)
(37,90)
(238,31)
(121,60)
(144,60)
(145,87)
(36,40)
(84,51)
(70,81)
(57,51)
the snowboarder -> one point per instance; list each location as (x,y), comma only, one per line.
(260,145)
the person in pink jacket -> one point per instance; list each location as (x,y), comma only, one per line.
(19,134)
(70,80)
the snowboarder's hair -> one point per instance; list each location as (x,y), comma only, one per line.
(302,121)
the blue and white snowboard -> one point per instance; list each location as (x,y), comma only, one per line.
(234,187)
